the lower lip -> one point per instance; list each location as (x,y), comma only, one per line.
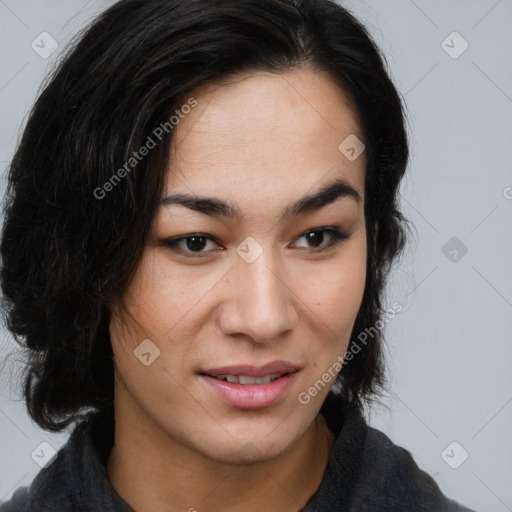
(249,396)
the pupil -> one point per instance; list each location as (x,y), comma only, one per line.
(194,245)
(315,236)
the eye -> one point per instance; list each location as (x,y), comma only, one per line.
(316,237)
(189,244)
(194,245)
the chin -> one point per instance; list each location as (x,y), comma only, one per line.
(252,444)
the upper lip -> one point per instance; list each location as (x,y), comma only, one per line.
(252,371)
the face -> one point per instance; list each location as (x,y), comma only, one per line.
(258,278)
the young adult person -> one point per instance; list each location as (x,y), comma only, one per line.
(201,216)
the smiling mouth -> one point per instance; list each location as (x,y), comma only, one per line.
(249,391)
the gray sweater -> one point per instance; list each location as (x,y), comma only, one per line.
(366,473)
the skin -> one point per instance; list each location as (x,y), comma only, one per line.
(261,141)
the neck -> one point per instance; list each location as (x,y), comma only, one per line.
(152,471)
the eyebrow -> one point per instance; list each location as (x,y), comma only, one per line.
(215,207)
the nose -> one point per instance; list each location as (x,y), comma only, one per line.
(261,304)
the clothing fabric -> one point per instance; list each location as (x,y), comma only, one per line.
(366,472)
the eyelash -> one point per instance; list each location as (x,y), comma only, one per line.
(336,235)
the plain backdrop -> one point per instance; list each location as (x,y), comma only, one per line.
(450,350)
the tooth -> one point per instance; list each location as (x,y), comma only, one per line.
(232,379)
(244,379)
(263,380)
(221,377)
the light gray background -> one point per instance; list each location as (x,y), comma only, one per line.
(450,350)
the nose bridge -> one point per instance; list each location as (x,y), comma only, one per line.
(262,297)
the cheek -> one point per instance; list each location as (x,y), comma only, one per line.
(146,314)
(160,294)
(162,304)
(148,358)
(337,289)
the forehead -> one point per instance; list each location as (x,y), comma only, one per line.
(261,133)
